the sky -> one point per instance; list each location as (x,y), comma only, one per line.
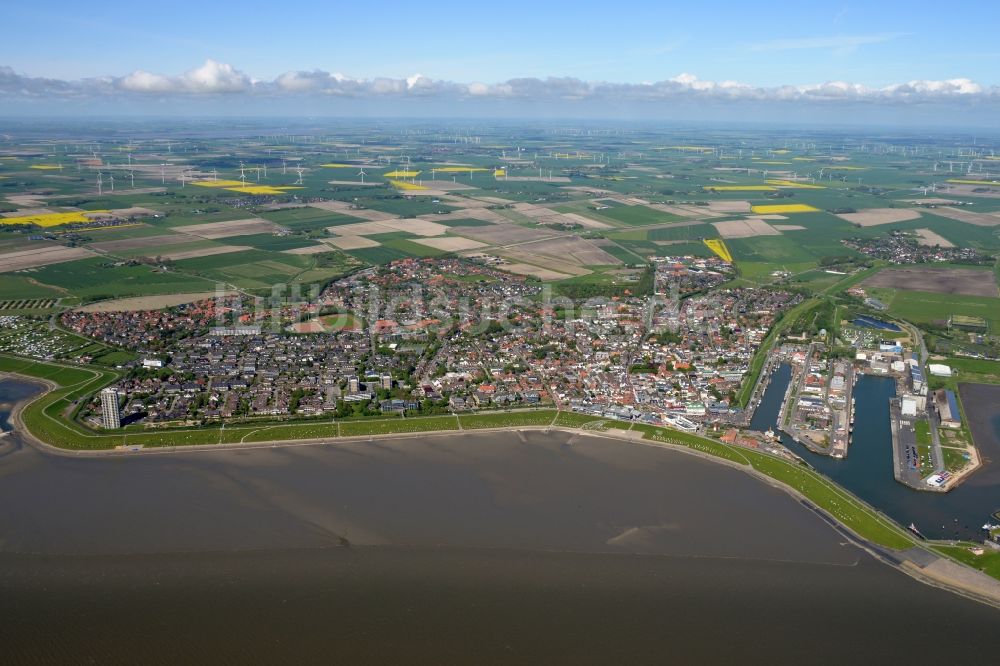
(891,61)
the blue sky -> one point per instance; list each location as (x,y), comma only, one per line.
(763,45)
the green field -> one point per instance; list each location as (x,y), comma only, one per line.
(928,307)
(379,255)
(97,278)
(541,417)
(272,242)
(635,216)
(975,369)
(15,286)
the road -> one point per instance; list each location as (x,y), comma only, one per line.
(918,338)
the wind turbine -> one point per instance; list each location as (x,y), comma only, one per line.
(362,174)
(299,170)
(183,178)
(131,175)
(112,177)
(100,183)
(241,171)
(163,173)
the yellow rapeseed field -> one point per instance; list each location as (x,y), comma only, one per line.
(740,188)
(794,184)
(403,185)
(217,183)
(458,169)
(263,189)
(499,173)
(51,219)
(401,174)
(963,181)
(46,167)
(783,208)
(719,247)
(334,165)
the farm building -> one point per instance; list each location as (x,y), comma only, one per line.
(947,407)
(939,370)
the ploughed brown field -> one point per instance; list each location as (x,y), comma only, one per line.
(965,281)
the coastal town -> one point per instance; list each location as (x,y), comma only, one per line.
(425,336)
(419,337)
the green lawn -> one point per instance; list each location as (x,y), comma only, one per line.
(398,425)
(541,417)
(923,432)
(575,420)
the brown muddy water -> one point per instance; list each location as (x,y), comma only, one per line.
(478,548)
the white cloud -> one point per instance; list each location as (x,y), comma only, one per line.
(213,78)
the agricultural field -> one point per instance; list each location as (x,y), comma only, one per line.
(924,307)
(559,215)
(97,278)
(637,215)
(941,280)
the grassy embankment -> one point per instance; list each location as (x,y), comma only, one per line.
(47,419)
